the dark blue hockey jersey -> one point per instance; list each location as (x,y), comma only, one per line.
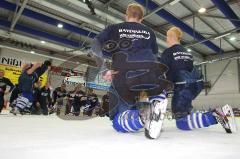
(144,45)
(176,58)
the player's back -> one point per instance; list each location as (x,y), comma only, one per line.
(143,40)
(177,58)
(141,35)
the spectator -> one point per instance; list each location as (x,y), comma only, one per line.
(77,102)
(4,82)
(104,110)
(59,92)
(92,102)
(45,98)
(35,109)
(58,98)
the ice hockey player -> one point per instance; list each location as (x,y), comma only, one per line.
(188,84)
(30,75)
(129,117)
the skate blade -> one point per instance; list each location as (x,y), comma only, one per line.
(227,109)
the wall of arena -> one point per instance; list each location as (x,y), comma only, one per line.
(224,91)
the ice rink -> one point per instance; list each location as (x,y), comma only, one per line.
(39,137)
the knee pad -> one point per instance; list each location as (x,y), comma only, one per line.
(127,121)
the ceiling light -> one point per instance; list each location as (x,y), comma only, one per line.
(221,36)
(202,10)
(233,38)
(60,25)
(174,2)
(189,50)
(43,42)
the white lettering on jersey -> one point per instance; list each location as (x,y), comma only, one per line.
(134,34)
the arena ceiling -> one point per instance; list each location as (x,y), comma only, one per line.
(68,26)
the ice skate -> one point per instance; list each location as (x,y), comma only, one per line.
(152,115)
(226,118)
(16,111)
(155,117)
(25,111)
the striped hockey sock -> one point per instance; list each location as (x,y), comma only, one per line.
(127,121)
(22,102)
(195,121)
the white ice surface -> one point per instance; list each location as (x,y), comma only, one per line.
(40,137)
